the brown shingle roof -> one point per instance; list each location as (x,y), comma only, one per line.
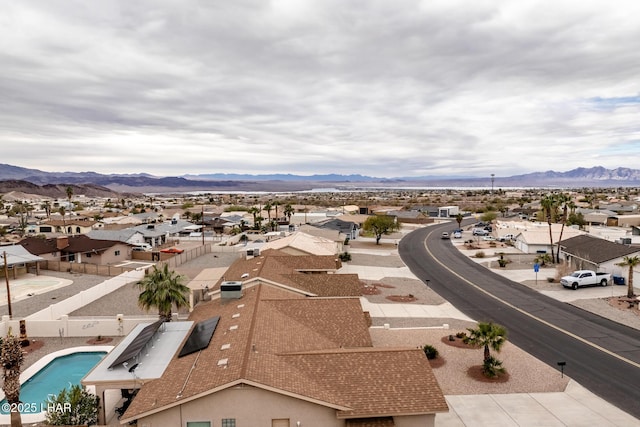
(595,249)
(318,349)
(78,243)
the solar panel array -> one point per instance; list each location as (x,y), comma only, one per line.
(138,343)
(200,336)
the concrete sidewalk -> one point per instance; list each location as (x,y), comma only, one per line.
(576,406)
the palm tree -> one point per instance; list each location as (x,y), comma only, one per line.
(62,212)
(459,218)
(69,192)
(487,335)
(548,204)
(275,205)
(11,358)
(631,262)
(288,211)
(268,208)
(47,209)
(563,201)
(255,211)
(163,289)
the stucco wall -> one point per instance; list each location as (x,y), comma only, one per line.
(250,406)
(255,407)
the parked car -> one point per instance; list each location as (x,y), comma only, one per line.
(507,238)
(479,232)
(142,247)
(457,235)
(172,251)
(585,278)
(488,238)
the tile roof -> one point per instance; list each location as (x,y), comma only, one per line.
(318,349)
(596,250)
(276,265)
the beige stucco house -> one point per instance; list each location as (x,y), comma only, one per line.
(281,355)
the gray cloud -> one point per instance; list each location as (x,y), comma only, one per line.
(372,87)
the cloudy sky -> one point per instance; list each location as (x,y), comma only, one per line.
(380,88)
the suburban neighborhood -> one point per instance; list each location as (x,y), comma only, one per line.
(283,303)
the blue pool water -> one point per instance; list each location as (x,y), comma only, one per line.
(60,373)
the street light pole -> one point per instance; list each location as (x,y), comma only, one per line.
(6,277)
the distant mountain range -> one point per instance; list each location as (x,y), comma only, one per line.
(10,176)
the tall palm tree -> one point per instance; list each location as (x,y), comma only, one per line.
(255,211)
(563,201)
(62,211)
(69,192)
(275,205)
(487,335)
(548,204)
(267,207)
(288,211)
(47,209)
(631,262)
(11,358)
(163,289)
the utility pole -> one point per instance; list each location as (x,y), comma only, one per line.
(202,222)
(493,175)
(6,277)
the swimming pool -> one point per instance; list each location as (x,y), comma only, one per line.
(59,373)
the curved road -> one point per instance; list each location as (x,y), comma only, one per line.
(601,355)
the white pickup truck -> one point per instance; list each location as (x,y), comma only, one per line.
(585,278)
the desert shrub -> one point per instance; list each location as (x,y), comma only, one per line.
(345,256)
(461,335)
(430,351)
(492,367)
(479,254)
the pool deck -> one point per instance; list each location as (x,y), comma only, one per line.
(5,419)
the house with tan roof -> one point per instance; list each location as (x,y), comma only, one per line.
(301,243)
(535,237)
(289,345)
(279,358)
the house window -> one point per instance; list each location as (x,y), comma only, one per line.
(198,423)
(117,253)
(88,255)
(228,422)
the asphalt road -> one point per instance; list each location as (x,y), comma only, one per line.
(601,355)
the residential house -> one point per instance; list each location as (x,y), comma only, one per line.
(587,252)
(126,235)
(348,229)
(535,238)
(302,243)
(158,234)
(71,226)
(296,358)
(77,248)
(411,216)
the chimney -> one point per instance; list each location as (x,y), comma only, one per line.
(62,242)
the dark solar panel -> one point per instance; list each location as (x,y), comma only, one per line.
(138,343)
(200,336)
